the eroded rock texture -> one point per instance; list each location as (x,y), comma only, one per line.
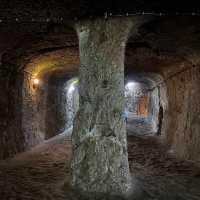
(99,161)
(172,50)
(71,96)
(33,100)
(12,139)
(182,119)
(55,110)
(26,50)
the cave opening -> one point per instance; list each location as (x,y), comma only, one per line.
(141,107)
(143,104)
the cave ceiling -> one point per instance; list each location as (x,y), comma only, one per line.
(69,9)
(162,43)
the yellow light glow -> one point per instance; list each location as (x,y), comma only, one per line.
(36,81)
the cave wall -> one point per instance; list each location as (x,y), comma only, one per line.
(181,122)
(21,116)
(32,111)
(19,123)
(143,106)
(12,139)
(153,108)
(55,116)
(22,109)
(29,114)
(72,102)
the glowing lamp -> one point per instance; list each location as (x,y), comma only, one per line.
(36,81)
(71,89)
(130,85)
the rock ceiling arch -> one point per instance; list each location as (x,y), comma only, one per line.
(66,60)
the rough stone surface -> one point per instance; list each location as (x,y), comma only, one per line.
(182,117)
(99,161)
(12,140)
(172,51)
(55,107)
(20,127)
(34,98)
(29,113)
(72,101)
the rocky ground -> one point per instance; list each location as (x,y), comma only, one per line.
(39,174)
(159,175)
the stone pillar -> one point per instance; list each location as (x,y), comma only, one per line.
(100,160)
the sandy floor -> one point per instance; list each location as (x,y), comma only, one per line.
(39,174)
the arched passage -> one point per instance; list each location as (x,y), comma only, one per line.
(35,58)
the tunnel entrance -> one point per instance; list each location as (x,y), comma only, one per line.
(54,107)
(143,112)
(141,107)
(143,104)
(136,99)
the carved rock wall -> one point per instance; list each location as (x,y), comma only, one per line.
(182,115)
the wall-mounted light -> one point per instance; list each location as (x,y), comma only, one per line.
(130,85)
(71,89)
(36,81)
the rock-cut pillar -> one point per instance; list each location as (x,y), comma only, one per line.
(100,160)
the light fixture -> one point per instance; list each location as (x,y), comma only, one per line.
(130,85)
(36,81)
(71,89)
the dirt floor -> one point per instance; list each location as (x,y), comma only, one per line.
(39,174)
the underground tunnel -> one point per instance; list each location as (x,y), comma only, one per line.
(97,103)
